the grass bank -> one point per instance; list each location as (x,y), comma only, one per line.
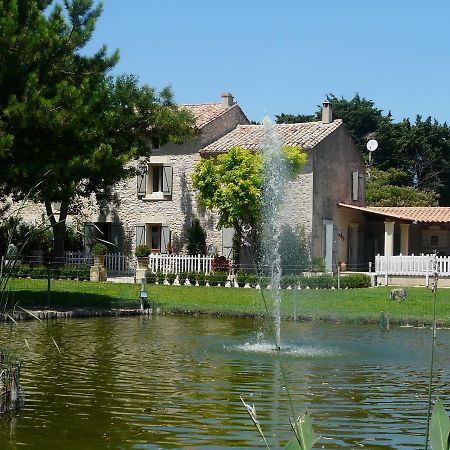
(353,305)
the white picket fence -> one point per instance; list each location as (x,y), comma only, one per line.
(120,263)
(179,263)
(412,265)
(116,263)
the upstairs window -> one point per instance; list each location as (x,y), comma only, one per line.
(155,183)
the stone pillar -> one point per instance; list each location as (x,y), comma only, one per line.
(389,238)
(404,238)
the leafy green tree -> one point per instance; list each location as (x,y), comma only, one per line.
(420,149)
(390,188)
(67,129)
(232,185)
(196,239)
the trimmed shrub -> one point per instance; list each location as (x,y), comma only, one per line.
(142,251)
(218,277)
(192,277)
(80,272)
(321,282)
(39,271)
(99,249)
(252,279)
(355,280)
(196,236)
(182,276)
(170,277)
(203,278)
(152,278)
(317,265)
(220,264)
(289,280)
(241,278)
(24,270)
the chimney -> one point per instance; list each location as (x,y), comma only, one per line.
(227,100)
(327,112)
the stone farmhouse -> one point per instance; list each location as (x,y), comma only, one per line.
(159,207)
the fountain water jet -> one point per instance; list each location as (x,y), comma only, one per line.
(275,177)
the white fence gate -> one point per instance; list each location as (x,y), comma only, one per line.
(116,263)
(179,263)
(412,265)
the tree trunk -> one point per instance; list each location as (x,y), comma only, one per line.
(59,229)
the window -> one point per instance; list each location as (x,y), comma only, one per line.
(434,241)
(155,183)
(155,235)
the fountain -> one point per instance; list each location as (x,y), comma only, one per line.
(275,178)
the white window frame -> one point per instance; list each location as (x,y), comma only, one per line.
(164,188)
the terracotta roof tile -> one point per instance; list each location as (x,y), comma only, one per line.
(422,214)
(307,135)
(206,112)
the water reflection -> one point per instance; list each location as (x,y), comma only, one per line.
(174,382)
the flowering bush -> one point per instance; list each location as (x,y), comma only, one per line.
(220,264)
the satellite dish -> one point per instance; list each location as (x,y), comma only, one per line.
(372,145)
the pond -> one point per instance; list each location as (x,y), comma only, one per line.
(174,382)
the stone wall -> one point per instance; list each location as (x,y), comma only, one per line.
(178,210)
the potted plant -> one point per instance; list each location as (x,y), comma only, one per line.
(142,252)
(99,252)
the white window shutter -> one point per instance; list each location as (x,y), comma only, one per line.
(165,238)
(167,180)
(140,234)
(355,185)
(141,184)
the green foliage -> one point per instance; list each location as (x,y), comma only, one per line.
(295,158)
(218,277)
(355,281)
(152,278)
(294,250)
(67,129)
(73,272)
(220,264)
(99,249)
(40,271)
(389,188)
(419,149)
(170,277)
(142,251)
(304,434)
(317,265)
(320,282)
(232,183)
(439,428)
(196,239)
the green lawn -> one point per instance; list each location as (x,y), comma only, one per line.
(361,305)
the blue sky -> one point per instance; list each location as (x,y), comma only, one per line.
(284,56)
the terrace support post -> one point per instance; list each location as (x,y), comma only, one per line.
(388,245)
(404,238)
(389,238)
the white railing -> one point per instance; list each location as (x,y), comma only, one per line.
(413,265)
(179,263)
(78,257)
(116,263)
(119,263)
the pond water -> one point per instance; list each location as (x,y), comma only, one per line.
(174,382)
